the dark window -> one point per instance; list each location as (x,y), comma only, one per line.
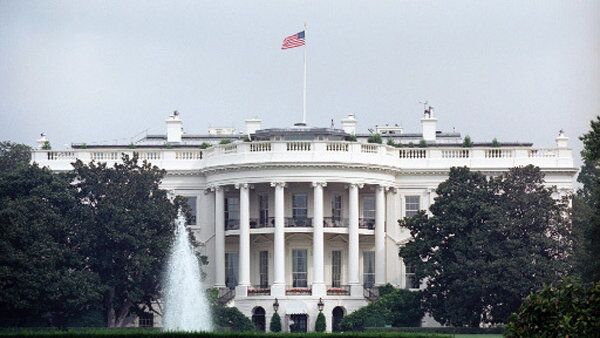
(300,207)
(299,268)
(263,205)
(336,268)
(231,269)
(146,320)
(264,268)
(368,268)
(232,211)
(191,203)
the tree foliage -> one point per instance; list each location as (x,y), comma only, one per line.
(488,244)
(586,208)
(43,276)
(320,323)
(275,324)
(127,227)
(569,309)
(374,138)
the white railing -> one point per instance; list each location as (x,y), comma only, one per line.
(188,155)
(369,148)
(260,146)
(298,146)
(61,155)
(499,153)
(105,155)
(542,153)
(230,148)
(149,155)
(456,153)
(336,146)
(413,153)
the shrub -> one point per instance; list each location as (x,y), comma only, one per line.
(275,325)
(351,138)
(375,138)
(395,307)
(390,142)
(231,319)
(320,325)
(495,143)
(46,146)
(467,143)
(205,145)
(569,309)
(422,144)
(225,141)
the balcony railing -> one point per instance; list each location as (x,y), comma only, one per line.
(366,223)
(258,223)
(335,222)
(298,222)
(341,290)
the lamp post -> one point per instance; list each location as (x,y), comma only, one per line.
(276,305)
(320,304)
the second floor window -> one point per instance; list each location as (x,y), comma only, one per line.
(232,211)
(369,207)
(300,206)
(191,203)
(412,205)
(263,206)
(336,208)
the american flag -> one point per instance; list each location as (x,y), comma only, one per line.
(294,40)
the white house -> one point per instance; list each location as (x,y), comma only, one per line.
(298,216)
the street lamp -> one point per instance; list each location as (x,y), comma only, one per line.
(276,305)
(320,304)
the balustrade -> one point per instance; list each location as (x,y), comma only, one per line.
(369,148)
(188,155)
(413,153)
(298,146)
(456,153)
(336,146)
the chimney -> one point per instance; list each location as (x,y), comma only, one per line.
(562,141)
(174,128)
(429,125)
(349,124)
(252,125)
(42,141)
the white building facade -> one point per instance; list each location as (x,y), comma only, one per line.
(303,216)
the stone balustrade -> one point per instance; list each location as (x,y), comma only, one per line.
(339,152)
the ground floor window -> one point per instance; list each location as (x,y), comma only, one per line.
(336,268)
(368,268)
(298,323)
(264,268)
(231,269)
(258,318)
(337,315)
(146,320)
(299,268)
(411,280)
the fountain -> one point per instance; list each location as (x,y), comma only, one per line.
(186,306)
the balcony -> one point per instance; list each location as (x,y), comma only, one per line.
(335,222)
(259,223)
(298,222)
(340,290)
(366,223)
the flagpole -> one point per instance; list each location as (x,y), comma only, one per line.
(304,92)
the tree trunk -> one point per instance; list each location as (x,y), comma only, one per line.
(108,305)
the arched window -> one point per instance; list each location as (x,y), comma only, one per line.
(337,315)
(258,318)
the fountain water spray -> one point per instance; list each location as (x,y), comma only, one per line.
(186,306)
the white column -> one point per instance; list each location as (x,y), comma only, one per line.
(379,235)
(353,277)
(219,237)
(244,260)
(318,287)
(278,287)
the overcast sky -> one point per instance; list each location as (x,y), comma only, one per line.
(90,71)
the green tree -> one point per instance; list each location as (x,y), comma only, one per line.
(586,208)
(43,277)
(374,138)
(275,324)
(320,324)
(467,143)
(568,309)
(488,244)
(127,227)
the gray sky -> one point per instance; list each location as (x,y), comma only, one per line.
(85,71)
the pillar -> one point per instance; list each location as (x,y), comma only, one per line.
(379,235)
(244,278)
(318,287)
(219,237)
(278,287)
(353,277)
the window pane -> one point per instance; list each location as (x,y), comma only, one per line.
(412,205)
(369,207)
(336,207)
(264,269)
(299,265)
(336,268)
(368,268)
(231,269)
(191,203)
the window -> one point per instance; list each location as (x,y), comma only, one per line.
(369,207)
(191,203)
(146,320)
(299,268)
(336,209)
(368,268)
(263,209)
(263,260)
(411,281)
(231,269)
(232,212)
(412,205)
(336,268)
(300,208)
